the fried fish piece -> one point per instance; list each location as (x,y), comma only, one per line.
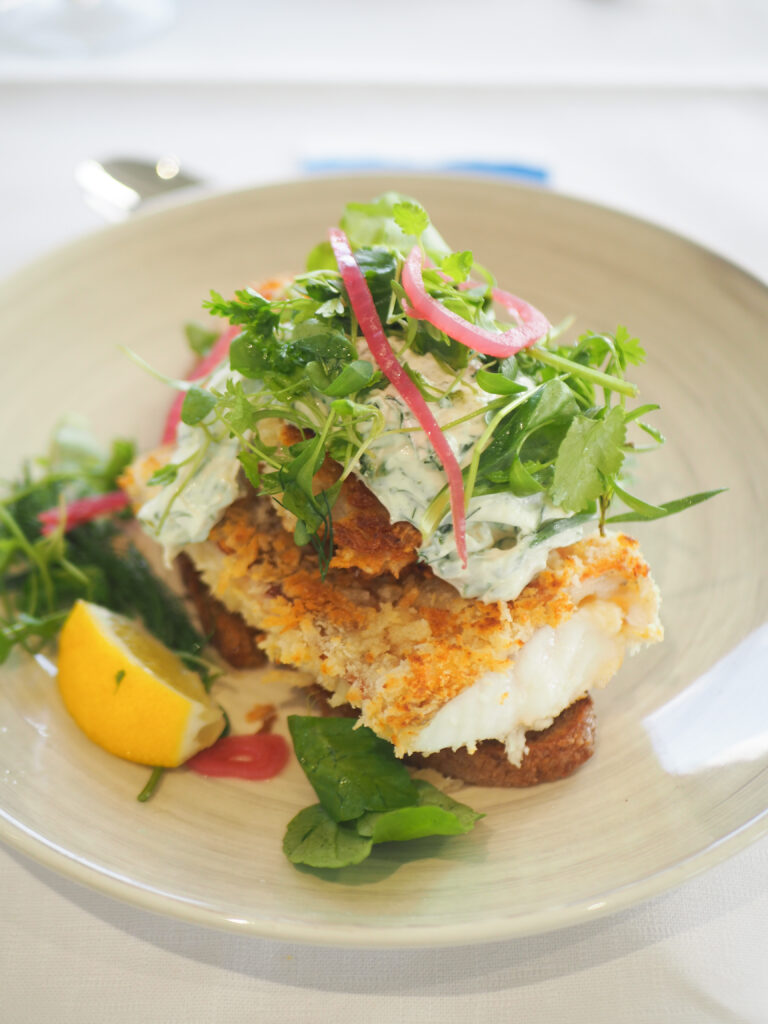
(428,669)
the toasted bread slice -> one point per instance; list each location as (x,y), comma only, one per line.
(550,754)
(235,641)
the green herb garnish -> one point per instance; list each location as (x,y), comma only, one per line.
(41,577)
(559,420)
(366,795)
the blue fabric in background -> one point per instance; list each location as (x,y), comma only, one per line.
(522,172)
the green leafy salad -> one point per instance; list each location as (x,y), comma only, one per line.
(539,438)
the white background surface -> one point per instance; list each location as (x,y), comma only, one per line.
(658,108)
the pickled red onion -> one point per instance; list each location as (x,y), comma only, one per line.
(82,510)
(361,300)
(207,363)
(533,324)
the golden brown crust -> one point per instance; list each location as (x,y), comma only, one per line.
(363,536)
(400,649)
(233,639)
(551,754)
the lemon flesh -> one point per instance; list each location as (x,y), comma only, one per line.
(129,693)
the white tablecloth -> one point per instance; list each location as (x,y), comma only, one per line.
(657,108)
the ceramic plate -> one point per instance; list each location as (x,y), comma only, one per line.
(680,776)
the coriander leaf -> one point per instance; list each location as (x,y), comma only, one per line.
(458,265)
(642,511)
(350,768)
(435,814)
(590,456)
(628,348)
(236,407)
(373,223)
(251,464)
(247,308)
(410,217)
(200,339)
(315,839)
(197,404)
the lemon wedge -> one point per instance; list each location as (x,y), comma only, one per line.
(129,693)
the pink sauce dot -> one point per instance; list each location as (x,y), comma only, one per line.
(260,755)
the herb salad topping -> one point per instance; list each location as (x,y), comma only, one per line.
(540,436)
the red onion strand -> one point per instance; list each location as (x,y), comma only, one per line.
(533,324)
(361,300)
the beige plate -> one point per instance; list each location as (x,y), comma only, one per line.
(680,777)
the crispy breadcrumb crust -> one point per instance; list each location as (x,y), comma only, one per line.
(400,648)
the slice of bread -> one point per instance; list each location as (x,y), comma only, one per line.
(551,754)
(235,641)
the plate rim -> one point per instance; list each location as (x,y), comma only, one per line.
(30,843)
(538,922)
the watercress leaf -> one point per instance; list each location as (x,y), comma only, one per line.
(197,404)
(522,482)
(428,339)
(434,814)
(590,456)
(353,377)
(314,838)
(347,409)
(120,457)
(379,268)
(410,217)
(642,511)
(200,339)
(350,768)
(535,429)
(165,475)
(247,357)
(498,384)
(322,258)
(315,341)
(640,410)
(320,286)
(657,435)
(316,376)
(555,526)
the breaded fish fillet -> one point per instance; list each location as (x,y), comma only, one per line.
(427,669)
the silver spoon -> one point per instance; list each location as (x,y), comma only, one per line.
(117,187)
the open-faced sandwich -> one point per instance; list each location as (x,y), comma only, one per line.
(396,476)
